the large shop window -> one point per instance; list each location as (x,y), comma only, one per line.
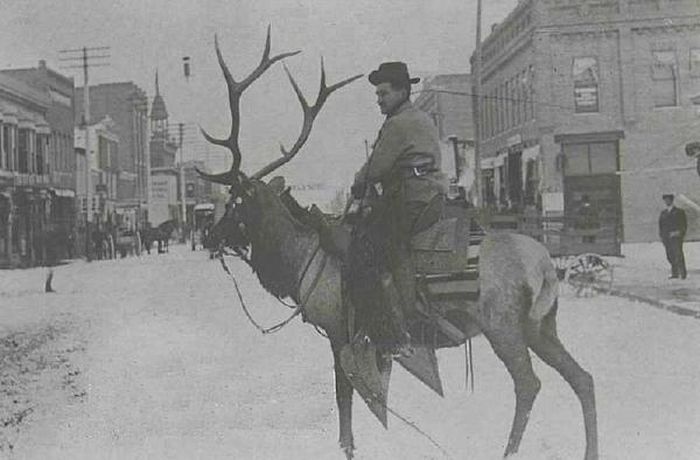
(590,159)
(664,77)
(585,76)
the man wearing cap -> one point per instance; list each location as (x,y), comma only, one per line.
(672,228)
(401,191)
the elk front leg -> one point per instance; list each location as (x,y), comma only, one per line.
(343,397)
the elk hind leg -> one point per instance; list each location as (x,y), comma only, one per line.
(545,343)
(509,345)
(343,398)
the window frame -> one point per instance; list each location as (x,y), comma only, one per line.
(655,79)
(579,85)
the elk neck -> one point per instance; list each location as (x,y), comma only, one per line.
(280,247)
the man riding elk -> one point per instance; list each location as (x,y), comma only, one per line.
(401,192)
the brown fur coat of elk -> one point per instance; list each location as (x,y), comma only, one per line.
(518,284)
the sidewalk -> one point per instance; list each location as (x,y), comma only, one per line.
(642,274)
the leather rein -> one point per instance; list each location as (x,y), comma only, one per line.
(298,309)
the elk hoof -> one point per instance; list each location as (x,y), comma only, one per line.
(348,449)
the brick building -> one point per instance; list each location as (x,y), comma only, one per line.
(126,105)
(447,99)
(37,166)
(590,100)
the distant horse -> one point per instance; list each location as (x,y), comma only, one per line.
(161,234)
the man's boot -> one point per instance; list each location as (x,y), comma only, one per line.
(391,300)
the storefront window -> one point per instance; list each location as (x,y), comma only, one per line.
(603,157)
(590,159)
(576,159)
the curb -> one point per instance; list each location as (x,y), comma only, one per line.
(671,307)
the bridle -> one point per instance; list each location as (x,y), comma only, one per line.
(298,308)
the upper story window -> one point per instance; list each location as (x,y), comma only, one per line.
(586,80)
(695,62)
(664,76)
(23,151)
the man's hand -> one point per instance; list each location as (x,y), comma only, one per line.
(674,234)
(357,190)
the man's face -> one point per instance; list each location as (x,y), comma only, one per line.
(668,201)
(389,98)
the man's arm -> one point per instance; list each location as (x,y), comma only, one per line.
(384,154)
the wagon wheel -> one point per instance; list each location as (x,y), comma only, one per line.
(588,274)
(561,265)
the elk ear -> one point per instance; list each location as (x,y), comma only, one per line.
(277,184)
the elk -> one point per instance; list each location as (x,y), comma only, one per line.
(516,310)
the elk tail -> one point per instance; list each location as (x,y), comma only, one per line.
(546,292)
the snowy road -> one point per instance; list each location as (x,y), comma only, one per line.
(151,358)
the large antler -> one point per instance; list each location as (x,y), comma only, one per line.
(310,113)
(235,90)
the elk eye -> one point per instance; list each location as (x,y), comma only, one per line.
(239,200)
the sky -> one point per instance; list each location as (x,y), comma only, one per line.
(353,37)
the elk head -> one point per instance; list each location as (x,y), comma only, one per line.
(248,194)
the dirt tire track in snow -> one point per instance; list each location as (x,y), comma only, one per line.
(36,373)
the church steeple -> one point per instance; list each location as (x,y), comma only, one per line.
(159,114)
(157,89)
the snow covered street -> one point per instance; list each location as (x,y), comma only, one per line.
(152,358)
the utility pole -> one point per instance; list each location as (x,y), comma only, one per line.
(477,109)
(183,207)
(85,57)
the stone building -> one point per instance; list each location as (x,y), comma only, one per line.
(590,100)
(37,166)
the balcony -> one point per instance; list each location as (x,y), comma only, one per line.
(58,180)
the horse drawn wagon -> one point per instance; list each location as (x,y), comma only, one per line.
(580,242)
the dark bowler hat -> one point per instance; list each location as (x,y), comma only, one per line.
(667,196)
(391,72)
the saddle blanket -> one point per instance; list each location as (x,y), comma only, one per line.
(446,259)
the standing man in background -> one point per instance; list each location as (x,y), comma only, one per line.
(672,228)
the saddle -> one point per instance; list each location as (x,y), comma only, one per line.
(445,258)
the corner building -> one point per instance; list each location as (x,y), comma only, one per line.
(592,100)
